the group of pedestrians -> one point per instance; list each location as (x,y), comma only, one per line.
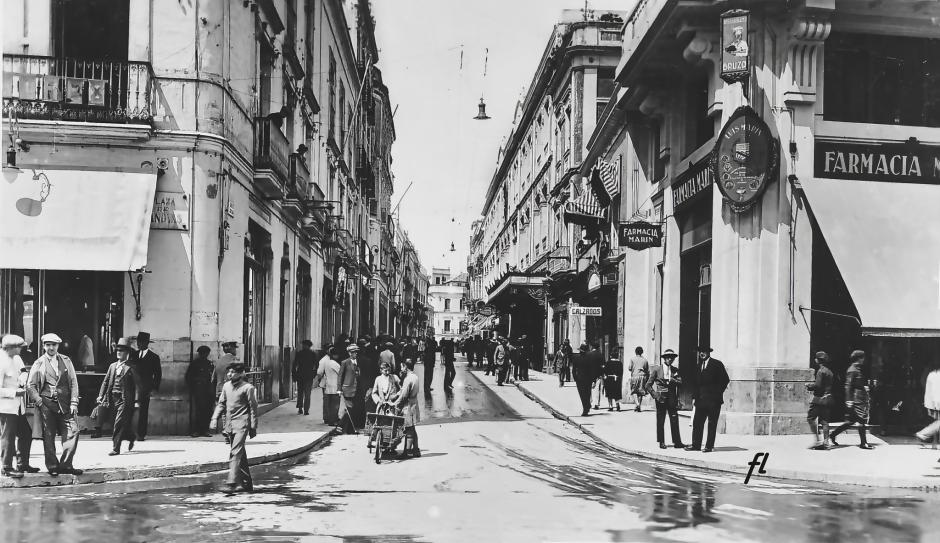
(507,360)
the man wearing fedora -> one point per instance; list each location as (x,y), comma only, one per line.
(149,373)
(119,394)
(15,433)
(53,386)
(663,385)
(710,384)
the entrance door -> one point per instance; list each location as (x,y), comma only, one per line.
(284,382)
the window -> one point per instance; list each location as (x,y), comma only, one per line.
(699,125)
(447,325)
(610,35)
(341,106)
(446,304)
(332,83)
(605,87)
(882,80)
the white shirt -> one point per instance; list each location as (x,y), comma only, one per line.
(667,372)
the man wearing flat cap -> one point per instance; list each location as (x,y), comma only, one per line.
(147,365)
(348,385)
(710,384)
(15,433)
(119,395)
(821,402)
(53,386)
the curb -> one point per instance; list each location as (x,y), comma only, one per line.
(791,475)
(101,475)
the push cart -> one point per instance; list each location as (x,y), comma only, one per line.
(386,431)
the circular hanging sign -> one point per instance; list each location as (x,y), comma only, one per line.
(745,159)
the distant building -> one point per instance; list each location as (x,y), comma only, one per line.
(448,296)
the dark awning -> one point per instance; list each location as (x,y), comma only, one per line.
(584,210)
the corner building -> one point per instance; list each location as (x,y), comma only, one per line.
(840,249)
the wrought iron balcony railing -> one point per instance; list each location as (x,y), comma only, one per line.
(68,89)
(271,153)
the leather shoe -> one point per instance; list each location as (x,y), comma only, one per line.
(679,446)
(707,449)
(54,472)
(130,445)
(27,469)
(662,446)
(114,453)
(865,446)
(693,448)
(72,471)
(12,474)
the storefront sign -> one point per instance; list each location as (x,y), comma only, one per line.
(745,159)
(170,211)
(586,311)
(735,53)
(908,162)
(691,183)
(340,294)
(640,235)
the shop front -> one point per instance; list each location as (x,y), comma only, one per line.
(68,268)
(520,299)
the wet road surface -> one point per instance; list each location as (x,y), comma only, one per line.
(495,467)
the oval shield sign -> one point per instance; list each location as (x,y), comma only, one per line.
(745,158)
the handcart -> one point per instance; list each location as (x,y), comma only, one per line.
(386,430)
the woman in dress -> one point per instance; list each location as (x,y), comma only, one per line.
(856,399)
(613,379)
(639,372)
(407,401)
(385,388)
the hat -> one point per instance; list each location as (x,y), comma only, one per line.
(669,353)
(352,348)
(822,356)
(229,343)
(50,338)
(704,349)
(143,336)
(389,344)
(12,340)
(204,349)
(123,343)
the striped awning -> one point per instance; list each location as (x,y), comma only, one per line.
(605,179)
(584,210)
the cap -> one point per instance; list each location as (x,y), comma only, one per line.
(352,348)
(669,353)
(50,338)
(822,355)
(12,340)
(123,344)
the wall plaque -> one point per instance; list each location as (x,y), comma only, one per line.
(170,211)
(745,159)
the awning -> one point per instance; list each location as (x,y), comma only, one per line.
(75,220)
(605,179)
(885,239)
(584,210)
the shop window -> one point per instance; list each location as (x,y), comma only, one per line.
(21,296)
(257,248)
(882,80)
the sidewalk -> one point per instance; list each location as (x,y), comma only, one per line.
(899,466)
(282,433)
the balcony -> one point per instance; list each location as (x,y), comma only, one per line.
(297,184)
(364,173)
(67,89)
(272,166)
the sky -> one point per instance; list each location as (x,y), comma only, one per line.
(432,54)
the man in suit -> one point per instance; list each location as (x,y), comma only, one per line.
(711,381)
(199,382)
(239,404)
(583,373)
(53,386)
(348,386)
(147,365)
(15,433)
(448,349)
(430,350)
(118,394)
(304,371)
(663,385)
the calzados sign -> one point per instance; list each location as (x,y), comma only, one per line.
(640,235)
(745,159)
(908,162)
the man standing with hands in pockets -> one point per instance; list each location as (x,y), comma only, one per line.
(239,403)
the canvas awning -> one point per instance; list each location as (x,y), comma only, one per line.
(885,240)
(75,219)
(584,210)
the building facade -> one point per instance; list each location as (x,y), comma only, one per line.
(526,251)
(781,196)
(449,296)
(204,178)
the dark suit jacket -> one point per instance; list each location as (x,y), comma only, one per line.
(148,370)
(711,384)
(305,365)
(128,384)
(588,366)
